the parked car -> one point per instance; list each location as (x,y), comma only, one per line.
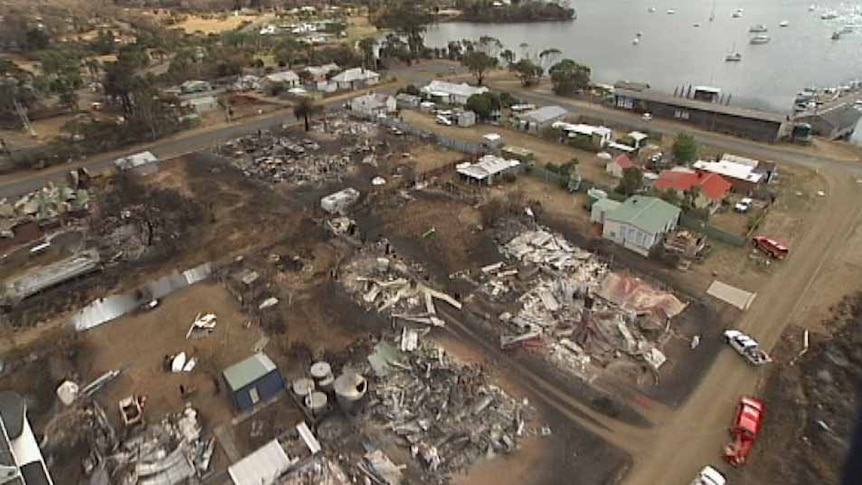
(709,476)
(743,205)
(443,120)
(646,116)
(771,247)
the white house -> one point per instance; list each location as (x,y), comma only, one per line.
(487,169)
(598,135)
(288,79)
(640,222)
(318,77)
(452,93)
(355,78)
(373,104)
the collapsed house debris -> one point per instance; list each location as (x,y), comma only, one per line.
(587,315)
(282,155)
(446,413)
(387,285)
(167,452)
(43,206)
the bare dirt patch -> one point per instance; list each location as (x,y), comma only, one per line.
(139,343)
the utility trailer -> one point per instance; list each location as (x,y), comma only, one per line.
(747,347)
(746,426)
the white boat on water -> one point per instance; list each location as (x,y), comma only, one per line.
(828,16)
(671,11)
(783,23)
(636,41)
(760,39)
(735,57)
(651,10)
(758,29)
(737,14)
(812,8)
(836,35)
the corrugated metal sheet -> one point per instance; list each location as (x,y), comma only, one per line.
(262,467)
(104,310)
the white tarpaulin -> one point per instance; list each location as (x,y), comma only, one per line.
(739,298)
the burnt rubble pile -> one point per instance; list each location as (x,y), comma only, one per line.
(388,285)
(446,413)
(570,302)
(284,156)
(169,451)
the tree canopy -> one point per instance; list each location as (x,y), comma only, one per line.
(527,71)
(479,64)
(484,105)
(569,77)
(685,148)
(632,181)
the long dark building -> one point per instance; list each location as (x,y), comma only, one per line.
(712,116)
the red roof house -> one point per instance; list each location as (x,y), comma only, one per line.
(713,187)
(616,166)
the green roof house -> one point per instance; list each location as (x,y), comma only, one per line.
(640,223)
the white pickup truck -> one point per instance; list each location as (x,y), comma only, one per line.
(747,347)
(709,476)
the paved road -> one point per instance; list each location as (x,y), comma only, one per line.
(777,152)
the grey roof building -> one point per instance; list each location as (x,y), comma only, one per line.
(836,122)
(542,117)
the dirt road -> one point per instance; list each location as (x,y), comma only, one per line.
(693,435)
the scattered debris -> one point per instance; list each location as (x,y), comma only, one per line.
(284,155)
(572,304)
(340,201)
(447,414)
(202,325)
(388,286)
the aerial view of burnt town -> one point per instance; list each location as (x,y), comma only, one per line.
(443,242)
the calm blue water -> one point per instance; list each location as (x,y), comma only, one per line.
(673,52)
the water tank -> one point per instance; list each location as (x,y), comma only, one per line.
(302,387)
(320,371)
(350,388)
(316,402)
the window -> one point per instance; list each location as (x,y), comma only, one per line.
(253,394)
(681,114)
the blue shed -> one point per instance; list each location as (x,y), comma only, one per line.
(253,380)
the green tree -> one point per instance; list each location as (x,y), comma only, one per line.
(104,42)
(410,89)
(394,47)
(569,77)
(549,57)
(366,46)
(527,71)
(508,57)
(37,38)
(409,20)
(484,105)
(479,64)
(119,82)
(684,148)
(632,181)
(306,109)
(454,50)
